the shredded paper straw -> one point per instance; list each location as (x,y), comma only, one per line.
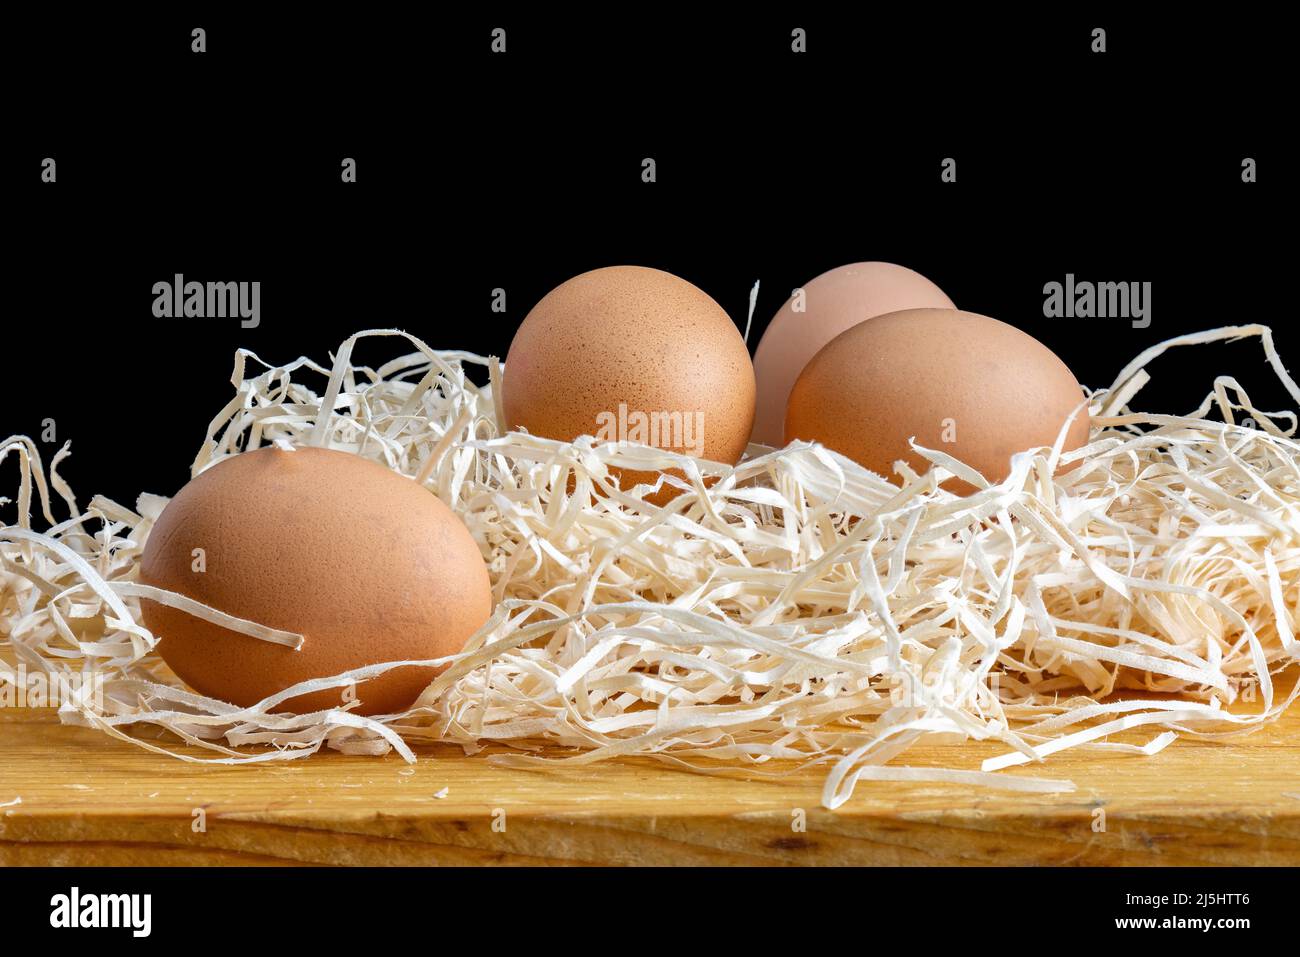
(794,609)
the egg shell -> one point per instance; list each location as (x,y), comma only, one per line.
(836,300)
(635,336)
(930,373)
(365,563)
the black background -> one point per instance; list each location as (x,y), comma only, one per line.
(478,171)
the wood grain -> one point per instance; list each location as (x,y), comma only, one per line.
(90,800)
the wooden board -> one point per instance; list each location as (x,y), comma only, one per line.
(90,800)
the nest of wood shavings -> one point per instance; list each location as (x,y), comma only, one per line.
(789,610)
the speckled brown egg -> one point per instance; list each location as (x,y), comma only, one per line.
(961,383)
(637,338)
(365,563)
(836,300)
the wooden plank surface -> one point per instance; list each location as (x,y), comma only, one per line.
(87,799)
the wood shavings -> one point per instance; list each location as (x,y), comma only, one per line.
(791,610)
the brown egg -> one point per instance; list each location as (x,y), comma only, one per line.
(627,353)
(961,383)
(836,300)
(365,563)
